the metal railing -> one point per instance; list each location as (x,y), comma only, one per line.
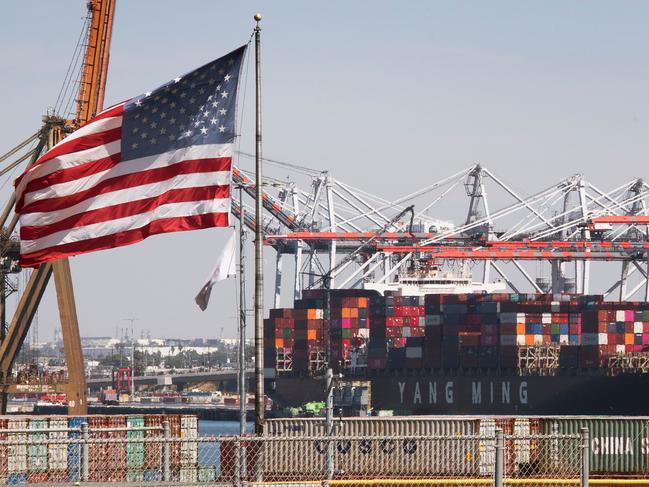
(152,456)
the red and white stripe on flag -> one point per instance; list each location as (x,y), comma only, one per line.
(160,162)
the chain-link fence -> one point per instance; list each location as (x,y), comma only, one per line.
(152,456)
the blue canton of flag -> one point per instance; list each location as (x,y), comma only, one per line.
(195,109)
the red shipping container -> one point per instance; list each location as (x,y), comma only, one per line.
(417,331)
(414,363)
(473,319)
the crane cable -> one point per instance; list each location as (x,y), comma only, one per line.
(63,98)
(17,162)
(20,146)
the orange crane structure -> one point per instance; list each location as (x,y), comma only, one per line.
(89,101)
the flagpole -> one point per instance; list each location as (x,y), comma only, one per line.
(259,242)
(243,396)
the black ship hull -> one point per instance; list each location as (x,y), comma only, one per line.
(432,393)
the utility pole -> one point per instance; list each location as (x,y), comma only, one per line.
(132,320)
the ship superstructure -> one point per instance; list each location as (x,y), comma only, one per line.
(424,276)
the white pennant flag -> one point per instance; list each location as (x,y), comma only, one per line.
(224,268)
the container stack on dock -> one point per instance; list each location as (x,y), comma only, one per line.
(189,449)
(450,331)
(17,453)
(57,449)
(40,452)
(134,449)
(37,463)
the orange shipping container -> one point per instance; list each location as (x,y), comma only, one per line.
(279,343)
(529,339)
(353,313)
(311,314)
(312,334)
(346,313)
(520,328)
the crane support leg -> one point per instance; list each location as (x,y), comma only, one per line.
(20,323)
(76,394)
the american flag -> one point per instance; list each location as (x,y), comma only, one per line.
(159,162)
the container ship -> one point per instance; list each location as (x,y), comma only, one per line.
(413,347)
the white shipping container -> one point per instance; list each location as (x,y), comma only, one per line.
(17,453)
(520,340)
(57,453)
(188,454)
(637,327)
(620,315)
(603,339)
(546,318)
(188,475)
(383,456)
(189,425)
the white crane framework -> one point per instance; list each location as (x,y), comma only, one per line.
(565,230)
(562,233)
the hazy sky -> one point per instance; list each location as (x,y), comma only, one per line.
(386,95)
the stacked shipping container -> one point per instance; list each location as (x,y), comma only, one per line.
(452,331)
(40,454)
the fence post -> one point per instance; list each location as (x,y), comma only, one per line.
(85,452)
(585,457)
(237,461)
(499,466)
(330,423)
(165,451)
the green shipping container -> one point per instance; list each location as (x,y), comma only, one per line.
(617,445)
(134,455)
(207,474)
(134,476)
(134,450)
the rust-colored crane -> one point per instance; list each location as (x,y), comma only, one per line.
(90,99)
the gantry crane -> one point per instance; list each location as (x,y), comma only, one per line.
(90,96)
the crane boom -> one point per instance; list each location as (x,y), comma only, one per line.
(95,61)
